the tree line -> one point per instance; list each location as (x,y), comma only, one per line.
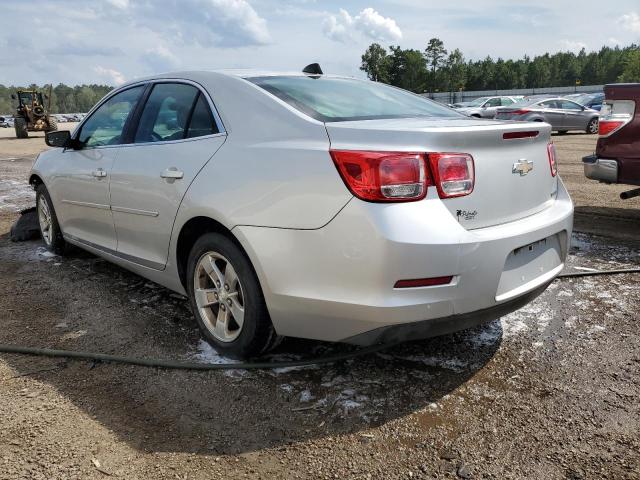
(64,99)
(436,69)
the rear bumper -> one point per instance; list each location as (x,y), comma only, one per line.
(442,326)
(337,283)
(601,169)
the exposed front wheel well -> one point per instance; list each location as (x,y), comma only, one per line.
(190,233)
(35,180)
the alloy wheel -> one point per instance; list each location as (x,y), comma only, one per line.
(44,218)
(593,126)
(219,296)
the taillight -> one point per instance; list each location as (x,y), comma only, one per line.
(607,127)
(551,153)
(453,173)
(383,176)
(614,115)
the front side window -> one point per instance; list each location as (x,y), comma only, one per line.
(174,111)
(331,99)
(105,125)
(494,102)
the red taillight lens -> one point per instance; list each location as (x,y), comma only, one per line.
(453,173)
(383,176)
(551,152)
(607,127)
(522,111)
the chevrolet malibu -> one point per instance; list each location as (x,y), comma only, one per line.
(309,205)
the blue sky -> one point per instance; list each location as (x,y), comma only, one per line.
(111,41)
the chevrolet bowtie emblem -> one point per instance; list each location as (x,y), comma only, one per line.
(522,166)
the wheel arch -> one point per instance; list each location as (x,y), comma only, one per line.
(35,180)
(193,229)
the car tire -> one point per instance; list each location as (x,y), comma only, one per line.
(592,126)
(20,124)
(48,221)
(227,300)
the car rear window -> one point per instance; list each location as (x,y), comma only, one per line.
(330,99)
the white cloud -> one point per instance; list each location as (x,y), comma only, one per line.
(338,28)
(573,46)
(630,21)
(121,4)
(111,75)
(377,27)
(227,23)
(368,22)
(160,59)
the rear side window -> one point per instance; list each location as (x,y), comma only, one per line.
(506,101)
(174,111)
(329,99)
(568,105)
(202,122)
(549,104)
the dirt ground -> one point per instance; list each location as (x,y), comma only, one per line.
(548,392)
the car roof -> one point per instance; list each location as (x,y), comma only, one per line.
(230,73)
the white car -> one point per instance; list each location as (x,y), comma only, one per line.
(309,205)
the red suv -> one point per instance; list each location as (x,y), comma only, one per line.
(617,157)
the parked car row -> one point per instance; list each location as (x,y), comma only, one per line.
(561,113)
(69,117)
(6,121)
(574,112)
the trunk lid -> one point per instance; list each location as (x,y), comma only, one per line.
(500,194)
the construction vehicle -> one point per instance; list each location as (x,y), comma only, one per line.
(31,114)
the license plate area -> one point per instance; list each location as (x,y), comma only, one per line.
(527,264)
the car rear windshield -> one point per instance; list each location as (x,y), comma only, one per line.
(330,99)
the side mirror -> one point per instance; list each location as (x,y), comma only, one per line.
(59,139)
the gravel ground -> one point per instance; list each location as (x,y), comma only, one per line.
(549,391)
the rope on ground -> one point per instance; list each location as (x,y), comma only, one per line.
(176,365)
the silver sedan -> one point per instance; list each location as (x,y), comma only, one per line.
(309,205)
(562,114)
(485,107)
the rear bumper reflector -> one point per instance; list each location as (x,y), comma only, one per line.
(423,282)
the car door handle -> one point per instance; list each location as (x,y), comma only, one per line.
(99,173)
(173,173)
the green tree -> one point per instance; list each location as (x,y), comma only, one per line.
(456,71)
(375,62)
(434,54)
(631,67)
(407,69)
